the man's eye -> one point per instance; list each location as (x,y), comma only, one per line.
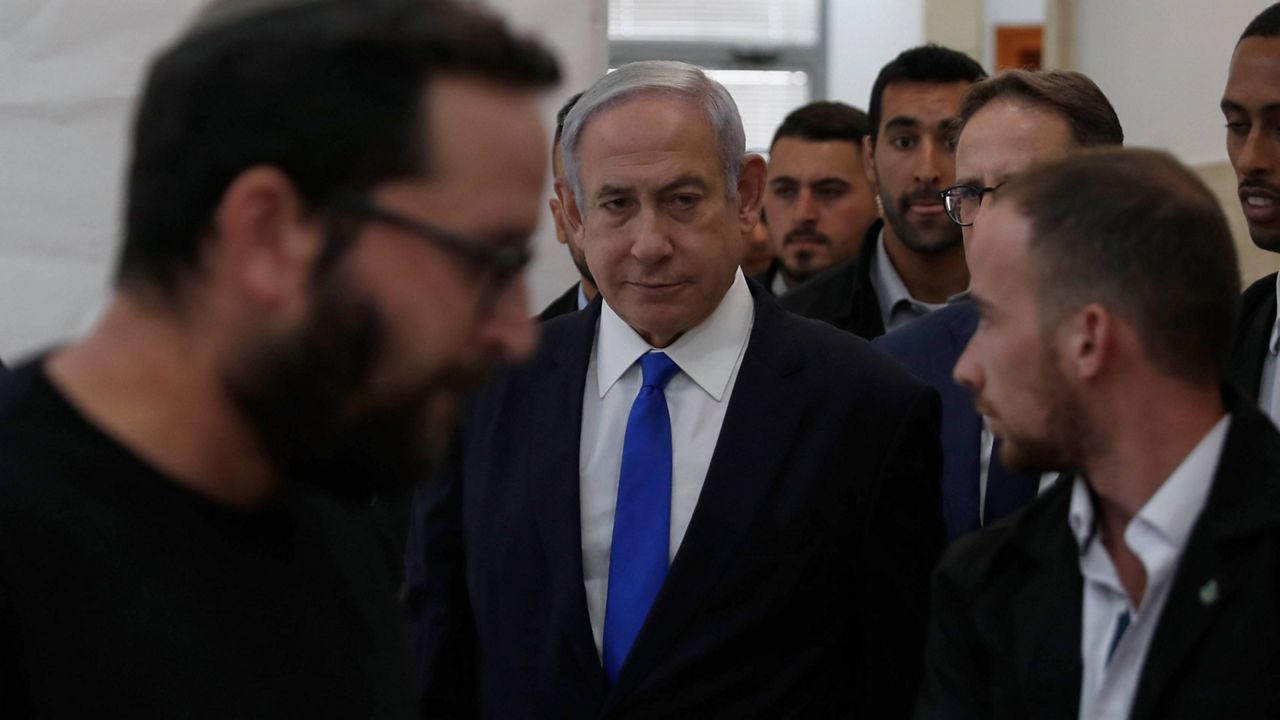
(903,143)
(683,201)
(830,193)
(616,204)
(1238,127)
(784,191)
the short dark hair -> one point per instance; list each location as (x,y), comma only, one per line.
(1266,24)
(824,121)
(1071,94)
(329,92)
(1138,232)
(563,113)
(924,64)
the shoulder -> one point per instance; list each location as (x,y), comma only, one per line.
(929,332)
(1002,554)
(832,285)
(1260,293)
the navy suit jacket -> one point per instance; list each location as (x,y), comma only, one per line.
(1005,636)
(800,588)
(930,347)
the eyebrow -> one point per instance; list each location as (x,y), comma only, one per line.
(975,182)
(1233,106)
(684,181)
(901,121)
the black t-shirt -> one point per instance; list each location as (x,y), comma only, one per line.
(124,595)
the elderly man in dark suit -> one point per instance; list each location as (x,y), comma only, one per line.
(1147,585)
(690,503)
(1008,122)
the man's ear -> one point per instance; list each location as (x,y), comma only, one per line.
(869,160)
(751,177)
(557,217)
(572,218)
(1088,341)
(262,240)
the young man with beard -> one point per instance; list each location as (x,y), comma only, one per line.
(820,200)
(690,503)
(1147,585)
(327,214)
(914,261)
(1007,123)
(1251,105)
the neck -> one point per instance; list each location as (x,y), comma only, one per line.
(1133,456)
(588,288)
(153,383)
(930,278)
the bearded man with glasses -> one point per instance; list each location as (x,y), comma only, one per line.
(328,210)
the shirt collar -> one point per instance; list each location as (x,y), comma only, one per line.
(1274,346)
(1173,510)
(583,302)
(891,291)
(706,353)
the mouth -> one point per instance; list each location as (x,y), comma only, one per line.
(1260,204)
(807,239)
(927,208)
(655,287)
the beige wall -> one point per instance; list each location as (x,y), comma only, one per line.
(956,24)
(1254,263)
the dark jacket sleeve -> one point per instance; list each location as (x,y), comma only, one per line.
(905,537)
(951,659)
(441,629)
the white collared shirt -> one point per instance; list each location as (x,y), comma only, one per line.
(709,356)
(897,307)
(583,302)
(1157,535)
(1269,389)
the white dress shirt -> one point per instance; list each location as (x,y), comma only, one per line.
(1114,654)
(709,356)
(897,307)
(1269,389)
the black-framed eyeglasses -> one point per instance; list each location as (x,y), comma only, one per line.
(498,263)
(962,202)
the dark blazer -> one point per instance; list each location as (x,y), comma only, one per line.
(1004,641)
(1253,335)
(801,585)
(842,295)
(566,303)
(930,347)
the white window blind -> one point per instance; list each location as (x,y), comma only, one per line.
(776,21)
(764,98)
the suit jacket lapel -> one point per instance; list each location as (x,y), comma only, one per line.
(1244,500)
(1245,366)
(556,488)
(745,464)
(1046,612)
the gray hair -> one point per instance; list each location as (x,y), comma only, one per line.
(678,80)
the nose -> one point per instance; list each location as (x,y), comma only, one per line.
(1258,154)
(929,163)
(806,207)
(650,244)
(507,332)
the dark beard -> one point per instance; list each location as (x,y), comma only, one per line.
(940,240)
(307,399)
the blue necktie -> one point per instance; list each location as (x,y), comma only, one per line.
(642,520)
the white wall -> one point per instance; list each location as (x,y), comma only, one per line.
(1164,67)
(579,36)
(863,35)
(70,71)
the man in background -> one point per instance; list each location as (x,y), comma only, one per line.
(1147,585)
(1250,103)
(1007,123)
(327,217)
(818,197)
(914,261)
(584,291)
